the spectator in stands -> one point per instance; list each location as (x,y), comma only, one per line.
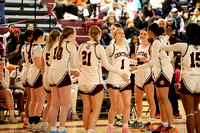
(140,21)
(137,3)
(105,5)
(7,36)
(91,16)
(148,11)
(114,8)
(79,2)
(5,92)
(131,8)
(111,14)
(125,16)
(179,23)
(170,23)
(13,51)
(130,29)
(196,17)
(2,13)
(29,26)
(157,6)
(109,21)
(105,36)
(168,5)
(62,6)
(18,89)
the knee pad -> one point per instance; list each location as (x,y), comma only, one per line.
(191,114)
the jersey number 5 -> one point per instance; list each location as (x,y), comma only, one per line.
(193,59)
(47,59)
(86,58)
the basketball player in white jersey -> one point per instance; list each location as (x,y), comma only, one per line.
(51,39)
(190,75)
(144,81)
(5,92)
(38,94)
(118,56)
(17,88)
(62,55)
(24,52)
(163,72)
(118,121)
(92,54)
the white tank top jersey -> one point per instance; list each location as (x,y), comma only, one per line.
(91,72)
(191,61)
(159,58)
(144,52)
(24,53)
(16,75)
(63,63)
(164,60)
(118,56)
(36,51)
(46,57)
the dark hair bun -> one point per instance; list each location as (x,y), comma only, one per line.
(156,29)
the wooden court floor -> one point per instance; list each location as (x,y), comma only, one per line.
(101,127)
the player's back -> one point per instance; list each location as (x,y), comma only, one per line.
(191,60)
(60,58)
(91,72)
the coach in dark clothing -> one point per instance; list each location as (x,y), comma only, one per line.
(13,53)
(169,4)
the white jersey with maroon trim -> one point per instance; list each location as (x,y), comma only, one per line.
(64,62)
(118,56)
(144,52)
(24,53)
(191,61)
(91,72)
(36,51)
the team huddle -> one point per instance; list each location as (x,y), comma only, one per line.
(46,73)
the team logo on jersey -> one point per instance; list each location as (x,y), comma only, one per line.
(162,82)
(121,54)
(88,46)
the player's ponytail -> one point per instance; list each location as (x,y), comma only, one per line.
(93,32)
(65,34)
(51,38)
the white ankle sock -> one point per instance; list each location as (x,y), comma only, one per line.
(12,114)
(165,124)
(139,119)
(53,128)
(90,131)
(61,129)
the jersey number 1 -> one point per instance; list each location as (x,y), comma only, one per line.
(122,66)
(86,56)
(193,63)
